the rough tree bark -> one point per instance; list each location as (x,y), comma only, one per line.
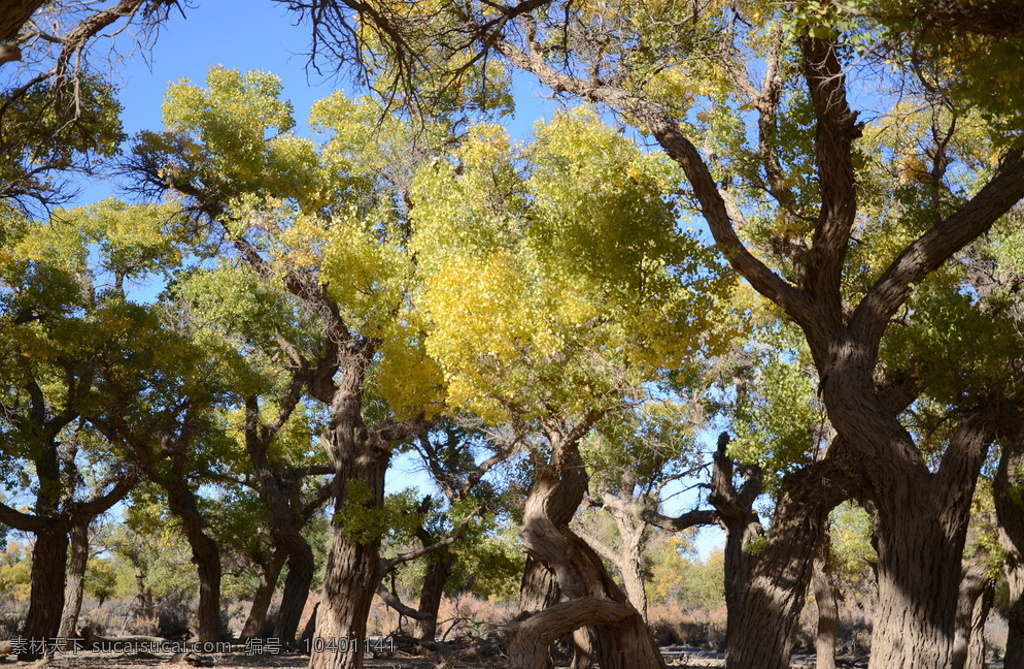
(360,455)
(762,626)
(269,573)
(1007,489)
(826,595)
(977,592)
(353,563)
(49,557)
(555,494)
(75,586)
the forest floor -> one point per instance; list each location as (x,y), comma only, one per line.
(676,656)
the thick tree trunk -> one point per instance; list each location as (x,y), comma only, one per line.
(1006,491)
(269,573)
(75,586)
(977,592)
(296,588)
(827,598)
(438,571)
(353,563)
(555,494)
(918,582)
(46,601)
(920,516)
(762,626)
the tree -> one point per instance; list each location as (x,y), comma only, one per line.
(57,115)
(236,310)
(66,341)
(551,299)
(773,165)
(326,225)
(456,531)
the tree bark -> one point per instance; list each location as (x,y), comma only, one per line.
(296,588)
(269,573)
(205,555)
(14,14)
(438,571)
(1006,491)
(49,558)
(977,592)
(555,495)
(826,596)
(360,457)
(75,586)
(762,628)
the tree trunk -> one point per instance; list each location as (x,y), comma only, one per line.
(555,495)
(827,598)
(977,592)
(920,517)
(296,588)
(205,555)
(917,590)
(438,571)
(46,601)
(634,538)
(269,574)
(75,586)
(762,625)
(353,563)
(1006,491)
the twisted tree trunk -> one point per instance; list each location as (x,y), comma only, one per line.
(557,490)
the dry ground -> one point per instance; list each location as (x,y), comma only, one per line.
(93,660)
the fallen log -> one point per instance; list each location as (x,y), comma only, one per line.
(91,640)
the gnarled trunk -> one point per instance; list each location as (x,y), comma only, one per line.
(353,563)
(296,588)
(557,490)
(269,574)
(762,627)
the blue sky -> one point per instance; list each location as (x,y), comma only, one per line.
(257,35)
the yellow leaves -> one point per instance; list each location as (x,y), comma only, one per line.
(493,325)
(409,380)
(364,273)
